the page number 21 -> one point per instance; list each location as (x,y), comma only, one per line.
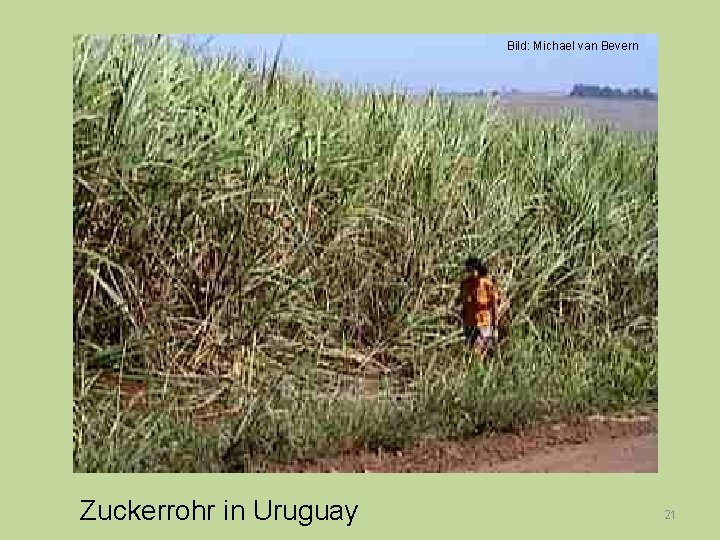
(669,514)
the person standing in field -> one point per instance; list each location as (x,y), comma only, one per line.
(480,299)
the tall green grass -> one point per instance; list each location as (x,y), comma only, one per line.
(230,216)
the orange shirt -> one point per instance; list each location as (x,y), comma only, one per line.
(479,297)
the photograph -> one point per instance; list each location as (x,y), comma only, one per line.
(365,253)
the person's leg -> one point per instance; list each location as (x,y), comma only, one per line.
(484,340)
(493,341)
(471,336)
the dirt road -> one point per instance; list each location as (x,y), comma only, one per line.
(595,444)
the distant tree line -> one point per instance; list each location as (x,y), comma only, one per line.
(591,90)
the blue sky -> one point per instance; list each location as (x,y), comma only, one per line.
(454,62)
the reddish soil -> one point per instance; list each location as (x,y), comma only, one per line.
(595,444)
(134,395)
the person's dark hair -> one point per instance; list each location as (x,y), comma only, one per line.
(473,263)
